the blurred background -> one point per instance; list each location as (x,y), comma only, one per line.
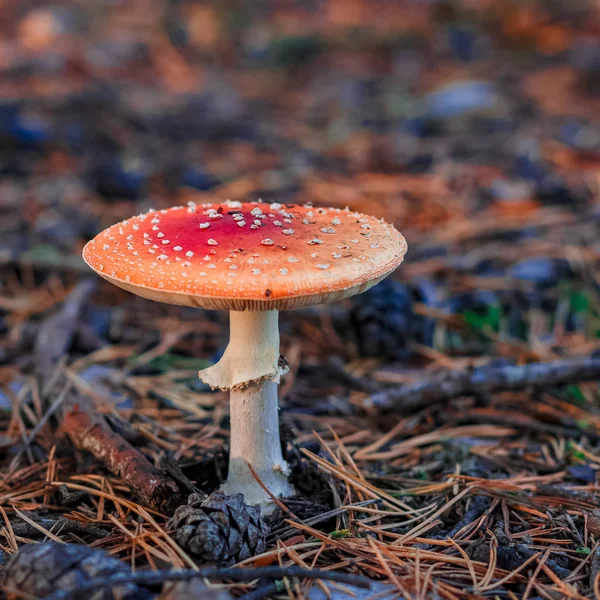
(472,125)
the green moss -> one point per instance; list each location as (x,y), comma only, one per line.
(486,321)
(340,533)
(294,50)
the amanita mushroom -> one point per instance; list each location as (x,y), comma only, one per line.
(253,259)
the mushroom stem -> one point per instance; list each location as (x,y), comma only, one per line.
(252,353)
(255,441)
(249,369)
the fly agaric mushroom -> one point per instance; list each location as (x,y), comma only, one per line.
(253,259)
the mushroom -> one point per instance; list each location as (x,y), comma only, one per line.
(253,259)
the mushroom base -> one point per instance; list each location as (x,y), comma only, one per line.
(255,440)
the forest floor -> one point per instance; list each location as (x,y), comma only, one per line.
(444,428)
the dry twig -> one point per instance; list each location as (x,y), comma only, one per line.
(229,573)
(485,379)
(89,431)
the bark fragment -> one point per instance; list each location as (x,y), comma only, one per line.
(89,431)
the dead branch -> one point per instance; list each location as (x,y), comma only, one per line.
(560,491)
(56,333)
(224,573)
(170,466)
(485,379)
(90,431)
(61,526)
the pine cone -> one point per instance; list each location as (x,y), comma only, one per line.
(220,528)
(40,569)
(383,320)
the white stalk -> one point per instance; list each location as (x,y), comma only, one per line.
(249,369)
(255,441)
(252,353)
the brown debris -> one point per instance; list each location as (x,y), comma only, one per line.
(57,331)
(90,432)
(594,522)
(484,380)
(460,490)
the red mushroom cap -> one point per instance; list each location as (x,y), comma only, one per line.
(246,256)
